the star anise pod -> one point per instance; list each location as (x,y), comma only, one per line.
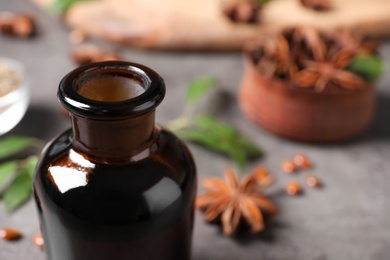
(306,43)
(318,5)
(355,42)
(320,74)
(260,51)
(242,11)
(231,200)
(271,55)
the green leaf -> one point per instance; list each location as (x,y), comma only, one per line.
(62,6)
(20,189)
(212,124)
(198,87)
(13,144)
(7,170)
(251,149)
(239,156)
(229,132)
(208,140)
(263,1)
(30,164)
(221,138)
(369,67)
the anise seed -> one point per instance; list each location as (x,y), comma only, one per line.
(288,167)
(312,181)
(6,21)
(23,26)
(302,161)
(10,234)
(293,188)
(38,241)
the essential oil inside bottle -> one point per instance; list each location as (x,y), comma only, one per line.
(110,88)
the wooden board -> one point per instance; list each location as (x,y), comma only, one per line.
(200,24)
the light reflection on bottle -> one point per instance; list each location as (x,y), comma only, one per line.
(161,195)
(72,173)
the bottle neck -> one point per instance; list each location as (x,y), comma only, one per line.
(113,141)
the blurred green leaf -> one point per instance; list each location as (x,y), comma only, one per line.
(20,190)
(7,170)
(369,67)
(239,155)
(13,144)
(230,133)
(62,6)
(250,147)
(30,164)
(198,87)
(212,124)
(208,140)
(221,138)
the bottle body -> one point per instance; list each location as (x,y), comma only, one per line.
(115,186)
(140,210)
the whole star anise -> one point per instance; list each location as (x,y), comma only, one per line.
(323,60)
(231,200)
(241,11)
(319,74)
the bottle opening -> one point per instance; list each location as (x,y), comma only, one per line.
(109,88)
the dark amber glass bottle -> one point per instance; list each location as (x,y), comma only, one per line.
(115,186)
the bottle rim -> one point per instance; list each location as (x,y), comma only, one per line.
(145,102)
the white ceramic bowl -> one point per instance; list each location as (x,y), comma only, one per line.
(13,105)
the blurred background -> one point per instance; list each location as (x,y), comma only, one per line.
(186,40)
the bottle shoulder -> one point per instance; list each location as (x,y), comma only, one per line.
(137,190)
(166,145)
(167,150)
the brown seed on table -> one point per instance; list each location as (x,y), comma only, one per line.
(38,241)
(293,188)
(10,234)
(313,181)
(24,26)
(288,167)
(6,21)
(302,161)
(19,25)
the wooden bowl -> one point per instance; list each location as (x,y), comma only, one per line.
(303,114)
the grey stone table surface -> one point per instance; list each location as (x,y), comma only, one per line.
(347,219)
